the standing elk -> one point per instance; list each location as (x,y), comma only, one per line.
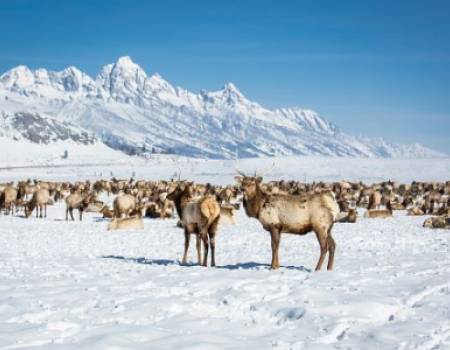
(280,213)
(198,216)
(123,205)
(76,201)
(9,199)
(39,201)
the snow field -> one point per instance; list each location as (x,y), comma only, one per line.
(72,285)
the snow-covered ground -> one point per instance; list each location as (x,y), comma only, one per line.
(87,163)
(72,285)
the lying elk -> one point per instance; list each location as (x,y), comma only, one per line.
(131,223)
(437,222)
(379,213)
(199,217)
(39,201)
(280,213)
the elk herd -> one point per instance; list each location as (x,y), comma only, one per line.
(280,206)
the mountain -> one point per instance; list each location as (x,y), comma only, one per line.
(128,110)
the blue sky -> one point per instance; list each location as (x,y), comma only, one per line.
(376,68)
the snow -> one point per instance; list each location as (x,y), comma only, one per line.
(93,161)
(126,109)
(72,285)
(75,285)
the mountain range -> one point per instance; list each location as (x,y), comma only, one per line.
(128,110)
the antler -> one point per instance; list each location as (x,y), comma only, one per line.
(237,170)
(265,171)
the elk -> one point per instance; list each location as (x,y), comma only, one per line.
(281,213)
(380,213)
(437,222)
(350,217)
(107,212)
(39,201)
(200,217)
(76,201)
(130,223)
(9,198)
(227,214)
(124,205)
(415,211)
(374,200)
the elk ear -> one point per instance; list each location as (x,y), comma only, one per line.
(259,179)
(239,178)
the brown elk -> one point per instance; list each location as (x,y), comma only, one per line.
(350,217)
(200,217)
(280,213)
(437,222)
(76,201)
(130,223)
(39,201)
(123,205)
(107,212)
(9,198)
(380,213)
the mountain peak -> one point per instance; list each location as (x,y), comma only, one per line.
(126,62)
(232,89)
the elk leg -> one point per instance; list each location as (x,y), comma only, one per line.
(205,247)
(275,242)
(212,239)
(212,243)
(71,214)
(45,210)
(322,238)
(187,237)
(199,249)
(331,249)
(80,211)
(67,214)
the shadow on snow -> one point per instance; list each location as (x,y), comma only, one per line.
(251,265)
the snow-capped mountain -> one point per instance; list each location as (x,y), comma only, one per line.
(131,111)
